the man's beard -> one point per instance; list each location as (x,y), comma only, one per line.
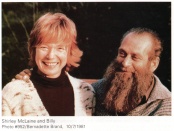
(125,90)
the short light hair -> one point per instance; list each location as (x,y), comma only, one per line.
(157,44)
(55,27)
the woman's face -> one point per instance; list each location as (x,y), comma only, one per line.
(51,58)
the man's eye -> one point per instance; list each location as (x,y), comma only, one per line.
(135,58)
(122,54)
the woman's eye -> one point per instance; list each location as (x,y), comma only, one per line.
(43,48)
(61,48)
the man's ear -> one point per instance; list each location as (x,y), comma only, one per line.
(154,64)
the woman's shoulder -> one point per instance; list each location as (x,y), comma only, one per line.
(86,85)
(83,84)
(79,82)
(16,86)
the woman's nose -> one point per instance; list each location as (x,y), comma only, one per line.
(51,54)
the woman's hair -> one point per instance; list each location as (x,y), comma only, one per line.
(157,42)
(55,28)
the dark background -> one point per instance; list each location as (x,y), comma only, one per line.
(100,26)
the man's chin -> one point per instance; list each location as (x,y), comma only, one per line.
(125,74)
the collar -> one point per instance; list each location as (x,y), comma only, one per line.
(159,91)
(150,89)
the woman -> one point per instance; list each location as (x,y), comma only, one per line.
(51,90)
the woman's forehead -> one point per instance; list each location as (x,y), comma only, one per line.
(54,44)
(56,41)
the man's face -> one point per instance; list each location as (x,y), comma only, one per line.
(132,75)
(133,53)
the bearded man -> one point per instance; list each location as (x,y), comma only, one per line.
(129,86)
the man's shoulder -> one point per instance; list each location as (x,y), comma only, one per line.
(160,91)
(159,107)
(162,107)
(100,86)
(100,82)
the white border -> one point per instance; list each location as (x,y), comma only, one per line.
(105,123)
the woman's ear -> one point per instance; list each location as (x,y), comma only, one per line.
(154,64)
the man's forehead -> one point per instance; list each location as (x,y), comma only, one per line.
(137,43)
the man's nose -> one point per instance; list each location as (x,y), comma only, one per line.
(127,62)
